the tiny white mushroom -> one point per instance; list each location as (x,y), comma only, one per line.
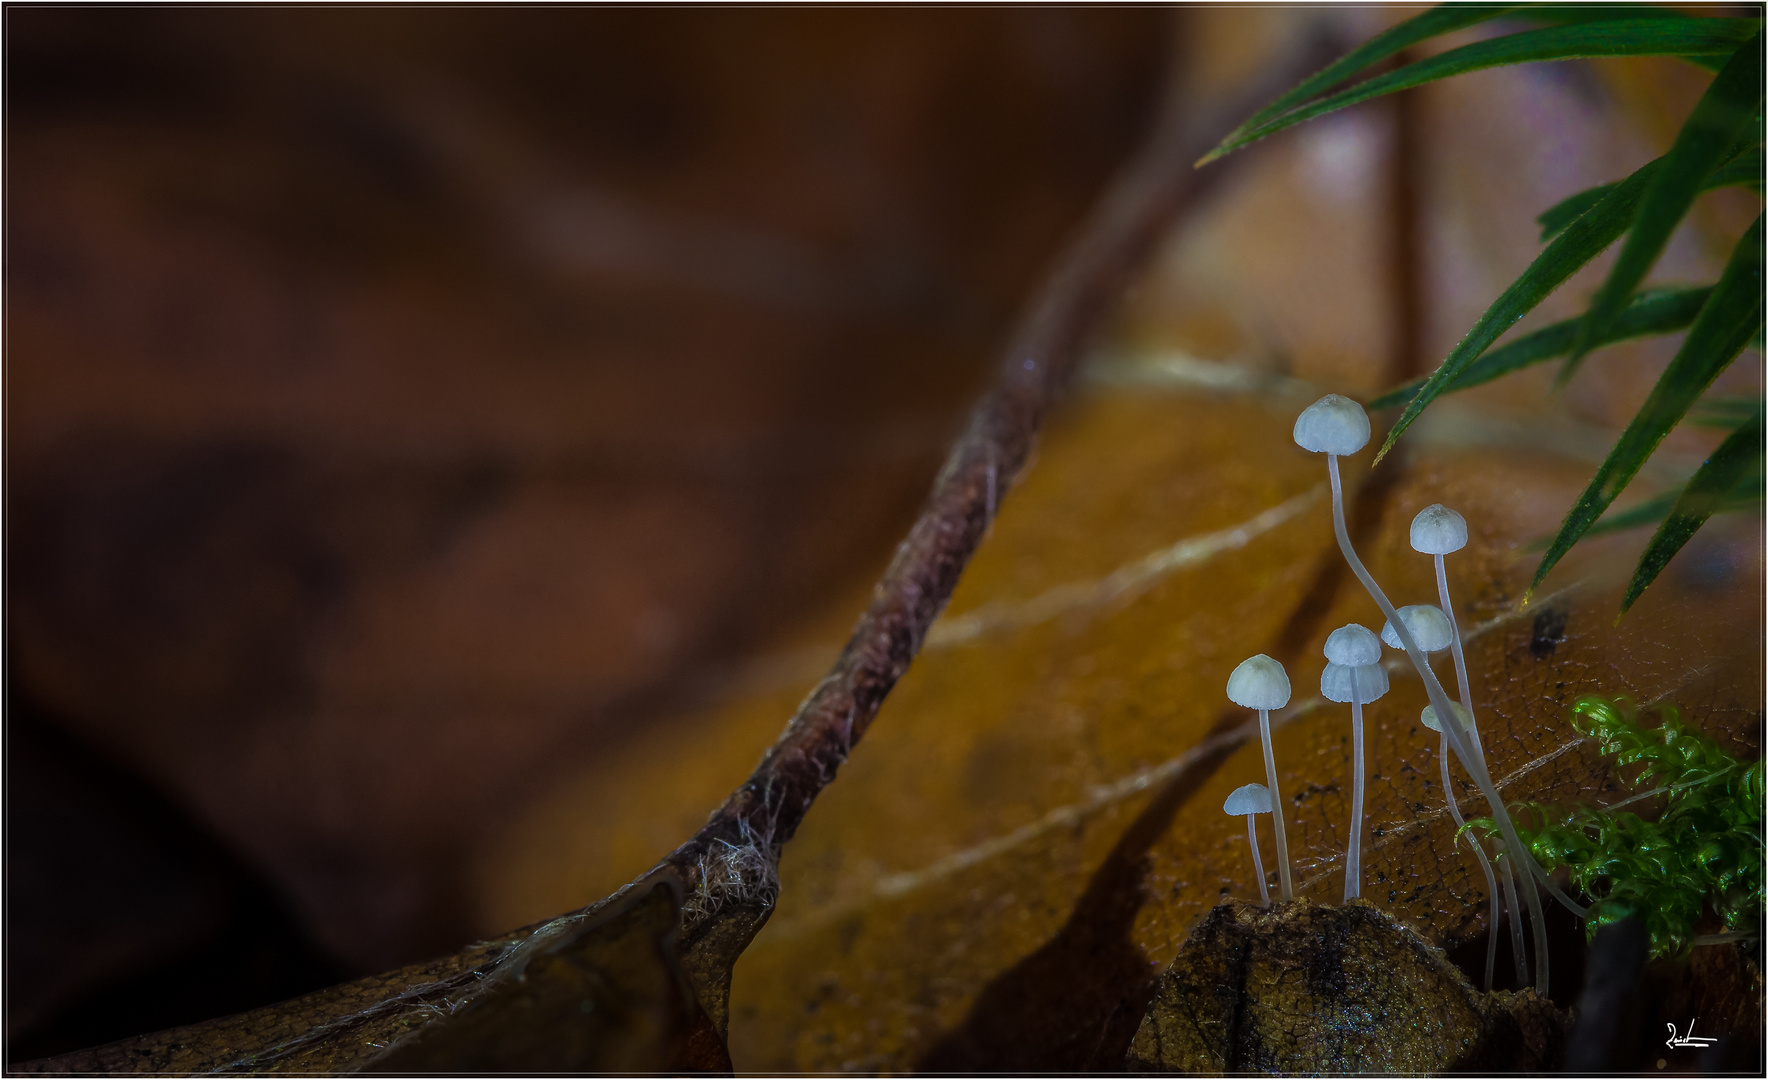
(1359,684)
(1353,645)
(1429,717)
(1429,626)
(1261,683)
(1252,799)
(1332,425)
(1438,531)
(1248,799)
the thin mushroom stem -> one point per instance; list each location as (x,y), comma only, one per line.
(1516,945)
(1458,738)
(1460,657)
(1264,733)
(1491,931)
(1480,853)
(1258,864)
(1353,856)
(1448,607)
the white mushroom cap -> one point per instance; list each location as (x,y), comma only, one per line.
(1429,626)
(1353,645)
(1332,425)
(1429,720)
(1251,799)
(1339,681)
(1259,683)
(1438,530)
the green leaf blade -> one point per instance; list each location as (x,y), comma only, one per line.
(1745,495)
(1709,136)
(1743,170)
(1737,463)
(1650,512)
(1618,37)
(1725,413)
(1657,312)
(1581,241)
(1731,315)
(1443,19)
(1555,218)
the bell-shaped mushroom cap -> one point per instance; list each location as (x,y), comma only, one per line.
(1332,425)
(1438,530)
(1339,681)
(1259,683)
(1429,720)
(1251,799)
(1429,627)
(1353,645)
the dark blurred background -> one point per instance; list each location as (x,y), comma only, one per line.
(402,402)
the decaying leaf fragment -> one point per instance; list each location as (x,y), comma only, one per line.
(1307,988)
(599,990)
(608,998)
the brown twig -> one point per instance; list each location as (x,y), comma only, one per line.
(732,857)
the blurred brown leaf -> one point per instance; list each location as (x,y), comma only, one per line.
(402,404)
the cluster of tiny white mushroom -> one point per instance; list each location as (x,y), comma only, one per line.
(1354,674)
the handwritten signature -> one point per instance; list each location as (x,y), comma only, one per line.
(1687,1038)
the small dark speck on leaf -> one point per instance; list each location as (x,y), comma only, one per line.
(1549,631)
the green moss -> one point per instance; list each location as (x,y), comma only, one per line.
(1703,851)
